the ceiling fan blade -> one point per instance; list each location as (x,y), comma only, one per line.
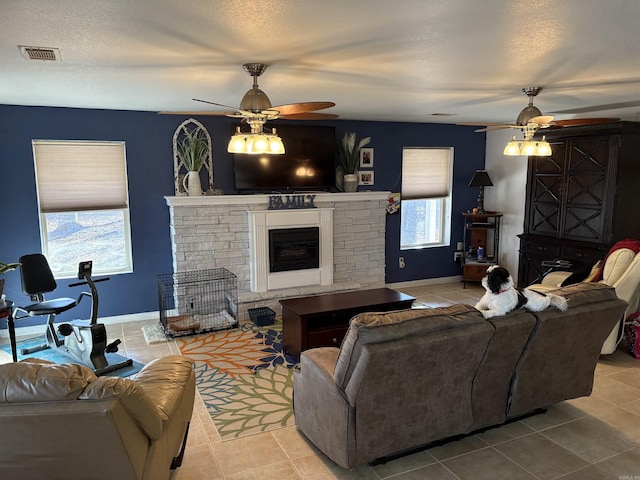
(217,104)
(480,124)
(194,113)
(309,116)
(496,127)
(583,121)
(542,119)
(599,108)
(303,107)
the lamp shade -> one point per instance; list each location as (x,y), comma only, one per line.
(512,148)
(481,179)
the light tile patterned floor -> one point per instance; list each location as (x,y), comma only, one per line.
(592,438)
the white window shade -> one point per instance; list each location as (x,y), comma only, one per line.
(426,172)
(80,176)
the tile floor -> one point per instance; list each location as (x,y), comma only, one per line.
(592,438)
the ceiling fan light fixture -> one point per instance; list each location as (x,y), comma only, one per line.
(512,148)
(258,143)
(539,148)
(255,143)
(528,148)
(543,149)
(238,142)
(275,143)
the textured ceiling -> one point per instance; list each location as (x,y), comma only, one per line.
(404,60)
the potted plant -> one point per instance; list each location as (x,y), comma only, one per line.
(192,151)
(5,267)
(349,159)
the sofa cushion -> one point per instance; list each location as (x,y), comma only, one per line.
(28,382)
(379,327)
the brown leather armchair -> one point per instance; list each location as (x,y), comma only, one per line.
(60,421)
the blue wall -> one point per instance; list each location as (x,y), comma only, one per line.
(148,139)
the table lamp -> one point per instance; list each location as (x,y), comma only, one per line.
(481,179)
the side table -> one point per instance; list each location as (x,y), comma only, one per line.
(6,310)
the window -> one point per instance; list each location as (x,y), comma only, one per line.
(426,197)
(84,206)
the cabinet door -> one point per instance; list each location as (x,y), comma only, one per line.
(532,253)
(530,269)
(587,179)
(544,192)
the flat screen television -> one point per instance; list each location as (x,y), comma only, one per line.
(307,164)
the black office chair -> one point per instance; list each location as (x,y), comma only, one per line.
(37,279)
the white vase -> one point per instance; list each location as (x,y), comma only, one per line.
(350,182)
(192,183)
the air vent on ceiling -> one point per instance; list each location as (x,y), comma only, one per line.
(41,53)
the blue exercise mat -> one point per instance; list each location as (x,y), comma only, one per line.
(56,356)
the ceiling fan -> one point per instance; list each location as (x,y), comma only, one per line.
(255,104)
(256,109)
(529,120)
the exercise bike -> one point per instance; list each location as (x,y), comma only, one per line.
(85,341)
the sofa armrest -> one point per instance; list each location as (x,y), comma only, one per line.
(323,360)
(152,397)
(320,407)
(164,380)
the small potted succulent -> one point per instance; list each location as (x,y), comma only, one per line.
(349,160)
(5,267)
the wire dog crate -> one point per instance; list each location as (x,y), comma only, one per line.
(197,302)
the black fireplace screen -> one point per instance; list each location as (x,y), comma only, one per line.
(294,249)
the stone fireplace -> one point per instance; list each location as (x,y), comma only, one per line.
(217,232)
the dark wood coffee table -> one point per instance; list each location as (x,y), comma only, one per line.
(322,320)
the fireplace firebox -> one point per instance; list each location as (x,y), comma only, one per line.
(294,249)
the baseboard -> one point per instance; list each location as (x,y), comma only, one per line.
(136,317)
(426,281)
(39,329)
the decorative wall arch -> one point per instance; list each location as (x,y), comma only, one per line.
(179,169)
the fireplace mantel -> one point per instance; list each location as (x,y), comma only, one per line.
(263,199)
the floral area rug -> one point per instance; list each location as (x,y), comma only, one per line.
(244,378)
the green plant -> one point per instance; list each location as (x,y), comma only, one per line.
(350,152)
(7,267)
(192,149)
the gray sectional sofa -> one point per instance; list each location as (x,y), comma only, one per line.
(405,379)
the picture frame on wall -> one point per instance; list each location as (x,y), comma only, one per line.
(365,178)
(366,158)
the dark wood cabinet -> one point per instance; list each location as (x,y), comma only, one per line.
(583,198)
(322,320)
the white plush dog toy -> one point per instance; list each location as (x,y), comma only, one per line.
(501,296)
